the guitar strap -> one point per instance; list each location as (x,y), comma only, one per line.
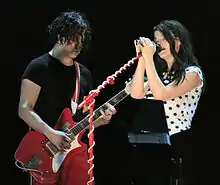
(75,98)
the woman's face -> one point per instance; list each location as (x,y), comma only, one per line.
(165,53)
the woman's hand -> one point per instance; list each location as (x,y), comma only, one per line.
(148,48)
(137,45)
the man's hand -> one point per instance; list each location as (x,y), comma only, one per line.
(59,139)
(106,115)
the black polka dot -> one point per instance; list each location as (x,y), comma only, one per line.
(193,97)
(170,108)
(177,105)
(176,126)
(172,122)
(175,114)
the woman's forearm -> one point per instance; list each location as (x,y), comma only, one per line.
(137,89)
(156,86)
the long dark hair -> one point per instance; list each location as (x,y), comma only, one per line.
(172,30)
(70,26)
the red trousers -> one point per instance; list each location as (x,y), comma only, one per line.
(74,170)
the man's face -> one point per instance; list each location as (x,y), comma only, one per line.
(72,48)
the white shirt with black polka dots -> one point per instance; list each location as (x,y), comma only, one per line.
(180,111)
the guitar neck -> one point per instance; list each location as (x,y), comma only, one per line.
(83,124)
(113,101)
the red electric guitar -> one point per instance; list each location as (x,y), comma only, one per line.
(41,158)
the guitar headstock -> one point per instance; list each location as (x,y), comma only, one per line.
(128,84)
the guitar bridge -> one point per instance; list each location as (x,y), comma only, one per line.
(33,163)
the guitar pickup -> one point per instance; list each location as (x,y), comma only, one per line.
(33,163)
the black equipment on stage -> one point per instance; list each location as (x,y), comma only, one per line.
(149,124)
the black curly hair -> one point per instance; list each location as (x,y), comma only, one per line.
(70,26)
(171,30)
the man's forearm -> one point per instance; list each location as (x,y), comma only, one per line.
(34,121)
(100,121)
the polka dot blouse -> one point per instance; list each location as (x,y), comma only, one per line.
(180,111)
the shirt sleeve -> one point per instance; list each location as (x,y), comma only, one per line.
(35,72)
(195,69)
(198,71)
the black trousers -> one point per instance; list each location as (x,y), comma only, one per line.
(149,164)
(158,164)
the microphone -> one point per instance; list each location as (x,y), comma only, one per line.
(158,47)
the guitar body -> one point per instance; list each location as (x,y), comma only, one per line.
(40,157)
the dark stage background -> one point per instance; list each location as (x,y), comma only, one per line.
(114,29)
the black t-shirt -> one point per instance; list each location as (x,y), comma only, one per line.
(57,83)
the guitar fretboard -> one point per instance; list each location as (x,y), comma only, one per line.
(85,122)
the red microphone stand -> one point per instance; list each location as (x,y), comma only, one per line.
(89,101)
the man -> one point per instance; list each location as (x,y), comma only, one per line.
(48,85)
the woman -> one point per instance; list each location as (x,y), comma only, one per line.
(174,75)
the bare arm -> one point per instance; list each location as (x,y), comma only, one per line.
(162,92)
(137,89)
(29,94)
(28,98)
